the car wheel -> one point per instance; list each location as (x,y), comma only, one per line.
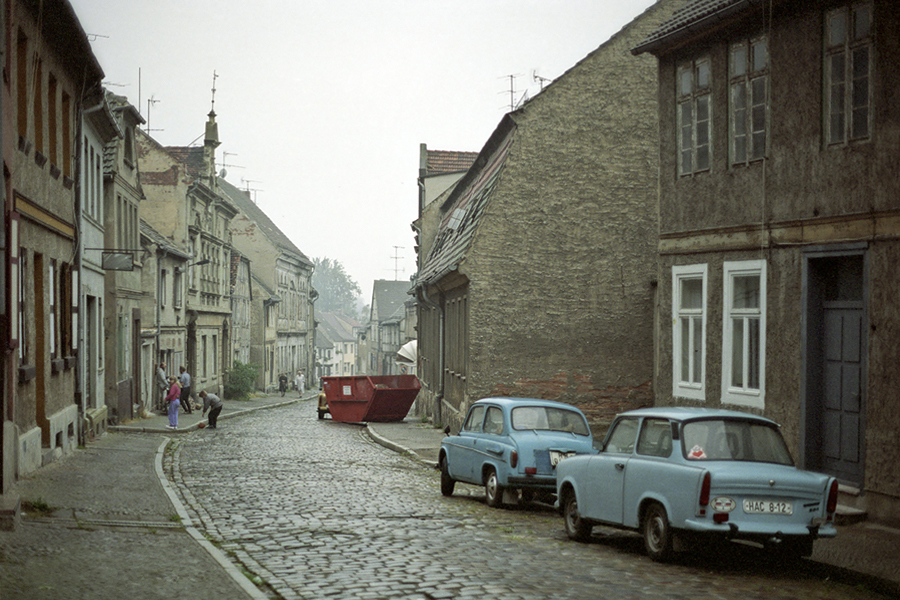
(493,491)
(447,482)
(576,528)
(657,533)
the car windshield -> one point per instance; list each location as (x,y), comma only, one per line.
(734,439)
(550,419)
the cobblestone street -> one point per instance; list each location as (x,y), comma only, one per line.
(316,510)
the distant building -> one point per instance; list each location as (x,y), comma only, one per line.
(385,330)
(285,269)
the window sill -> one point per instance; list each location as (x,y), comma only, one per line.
(27,373)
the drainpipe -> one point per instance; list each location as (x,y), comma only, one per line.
(423,296)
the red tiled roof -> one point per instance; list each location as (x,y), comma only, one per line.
(449,161)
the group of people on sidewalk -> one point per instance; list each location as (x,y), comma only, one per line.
(176,393)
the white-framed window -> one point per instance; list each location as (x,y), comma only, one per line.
(749,79)
(689,331)
(694,106)
(744,333)
(849,56)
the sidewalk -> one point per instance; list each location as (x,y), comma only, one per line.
(159,423)
(104,523)
(863,549)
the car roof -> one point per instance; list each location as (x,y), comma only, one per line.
(684,413)
(510,402)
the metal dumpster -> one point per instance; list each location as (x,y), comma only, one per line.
(375,398)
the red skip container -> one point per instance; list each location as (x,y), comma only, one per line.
(375,398)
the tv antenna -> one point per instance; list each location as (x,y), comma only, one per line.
(150,102)
(543,80)
(512,92)
(224,163)
(249,189)
(397,259)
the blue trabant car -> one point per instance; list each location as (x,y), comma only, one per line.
(679,474)
(512,444)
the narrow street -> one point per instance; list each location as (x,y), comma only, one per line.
(315,509)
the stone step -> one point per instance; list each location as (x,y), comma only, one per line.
(847,515)
(10,511)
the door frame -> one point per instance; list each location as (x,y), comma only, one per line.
(812,357)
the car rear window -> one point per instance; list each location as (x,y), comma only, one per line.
(734,439)
(548,419)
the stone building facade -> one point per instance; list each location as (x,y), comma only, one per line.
(780,226)
(541,280)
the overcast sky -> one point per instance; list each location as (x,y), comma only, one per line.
(322,105)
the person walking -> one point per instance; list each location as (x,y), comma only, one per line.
(185,381)
(282,383)
(212,404)
(162,384)
(173,403)
(300,383)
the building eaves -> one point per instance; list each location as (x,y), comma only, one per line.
(272,295)
(693,17)
(154,237)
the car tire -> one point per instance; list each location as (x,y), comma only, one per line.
(576,528)
(493,491)
(657,533)
(447,482)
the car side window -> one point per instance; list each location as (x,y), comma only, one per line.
(473,422)
(621,439)
(494,422)
(655,438)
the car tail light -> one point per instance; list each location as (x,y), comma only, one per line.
(720,517)
(704,489)
(513,459)
(531,470)
(831,506)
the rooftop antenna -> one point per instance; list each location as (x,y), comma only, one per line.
(224,163)
(150,102)
(396,259)
(512,90)
(543,80)
(248,189)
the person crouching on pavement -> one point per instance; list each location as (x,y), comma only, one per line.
(172,400)
(185,381)
(212,404)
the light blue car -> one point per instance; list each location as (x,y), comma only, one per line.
(685,473)
(513,444)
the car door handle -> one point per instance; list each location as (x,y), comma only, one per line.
(620,466)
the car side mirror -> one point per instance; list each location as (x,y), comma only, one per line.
(447,430)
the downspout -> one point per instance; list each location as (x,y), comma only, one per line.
(423,296)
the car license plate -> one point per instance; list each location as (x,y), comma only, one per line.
(556,457)
(768,507)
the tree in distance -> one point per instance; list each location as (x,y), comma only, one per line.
(338,293)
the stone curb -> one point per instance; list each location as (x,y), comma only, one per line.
(195,426)
(399,448)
